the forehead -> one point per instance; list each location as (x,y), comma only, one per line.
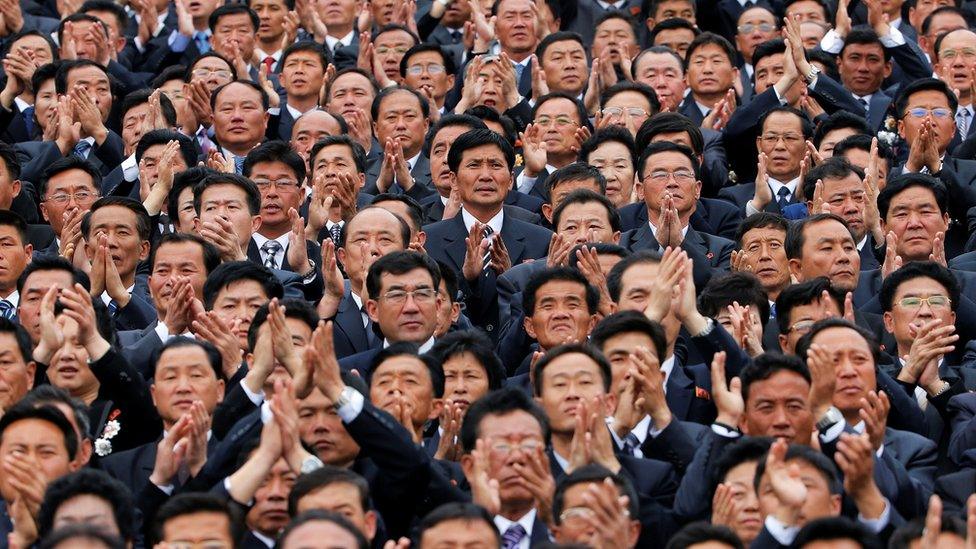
(615,24)
(841,339)
(426,57)
(185,355)
(862,49)
(833,184)
(826,229)
(113,215)
(72,178)
(304,55)
(514,423)
(708,50)
(234,19)
(339,150)
(660,61)
(223,191)
(87,74)
(401,364)
(556,105)
(319,121)
(394,37)
(943,21)
(561,288)
(928,98)
(272,167)
(180,251)
(211,62)
(760,233)
(413,277)
(563,46)
(400,99)
(612,148)
(374,219)
(31,430)
(667,159)
(572,364)
(490,150)
(505,6)
(773,60)
(351,80)
(629,98)
(236,91)
(244,287)
(783,120)
(47,278)
(913,195)
(756,15)
(959,37)
(783,384)
(920,285)
(449,133)
(32,42)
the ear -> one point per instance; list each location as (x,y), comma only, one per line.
(547,212)
(369,524)
(901,127)
(29,251)
(341,256)
(887,69)
(436,407)
(144,249)
(889,322)
(743,426)
(450,81)
(44,213)
(467,466)
(529,328)
(255,223)
(698,186)
(835,504)
(650,23)
(795,265)
(372,309)
(455,312)
(15,187)
(616,237)
(633,532)
(783,342)
(421,238)
(31,369)
(220,390)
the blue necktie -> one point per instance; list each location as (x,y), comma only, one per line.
(772,310)
(784,198)
(518,73)
(239,165)
(631,443)
(113,308)
(271,249)
(512,536)
(28,114)
(6,309)
(81,150)
(203,45)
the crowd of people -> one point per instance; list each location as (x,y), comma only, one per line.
(501,274)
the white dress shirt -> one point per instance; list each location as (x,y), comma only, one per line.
(345,40)
(260,239)
(527,521)
(495,222)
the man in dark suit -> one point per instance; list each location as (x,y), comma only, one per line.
(302,81)
(723,17)
(709,82)
(401,118)
(588,12)
(506,241)
(238,130)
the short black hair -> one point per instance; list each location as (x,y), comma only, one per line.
(707,38)
(672,23)
(488,114)
(8,155)
(10,218)
(835,167)
(374,109)
(927,22)
(585,196)
(47,394)
(65,67)
(450,280)
(326,516)
(637,87)
(211,255)
(761,220)
(576,171)
(325,476)
(415,211)
(477,138)
(233,9)
(118,12)
(625,322)
(163,137)
(91,482)
(501,402)
(742,287)
(796,235)
(914,529)
(900,183)
(61,165)
(143,220)
(449,121)
(211,352)
(450,67)
(141,97)
(559,36)
(920,85)
(478,345)
(864,36)
(405,348)
(44,262)
(275,151)
(190,503)
(265,100)
(81,531)
(581,116)
(840,120)
(702,532)
(188,178)
(743,450)
(172,72)
(835,528)
(352,70)
(669,122)
(805,125)
(357,150)
(399,263)
(767,49)
(616,274)
(593,473)
(48,413)
(803,293)
(537,280)
(610,134)
(768,364)
(918,269)
(666,146)
(190,68)
(309,46)
(294,308)
(234,271)
(814,458)
(459,510)
(803,345)
(863,143)
(585,349)
(251,191)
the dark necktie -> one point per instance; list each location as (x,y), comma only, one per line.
(867,107)
(784,198)
(113,308)
(271,249)
(336,233)
(486,260)
(631,444)
(6,309)
(512,536)
(28,114)
(81,149)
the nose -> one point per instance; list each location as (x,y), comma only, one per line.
(914,220)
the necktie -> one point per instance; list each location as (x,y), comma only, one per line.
(203,45)
(486,260)
(512,536)
(271,249)
(631,443)
(29,120)
(268,62)
(962,122)
(372,340)
(6,309)
(784,198)
(113,308)
(864,103)
(206,145)
(335,231)
(772,310)
(455,35)
(239,164)
(81,149)
(518,73)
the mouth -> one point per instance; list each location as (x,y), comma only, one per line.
(182,403)
(851,390)
(412,325)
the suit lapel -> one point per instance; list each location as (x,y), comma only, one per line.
(349,319)
(454,242)
(879,106)
(643,238)
(679,389)
(514,241)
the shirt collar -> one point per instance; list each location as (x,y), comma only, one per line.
(666,368)
(864,97)
(260,239)
(703,108)
(527,521)
(345,40)
(684,233)
(495,223)
(356,299)
(13,298)
(108,299)
(860,245)
(618,5)
(261,54)
(295,113)
(412,161)
(21,104)
(423,348)
(776,185)
(130,168)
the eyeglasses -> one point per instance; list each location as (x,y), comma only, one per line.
(679,176)
(788,138)
(561,121)
(631,111)
(221,73)
(966,53)
(80,197)
(527,446)
(763,27)
(934,301)
(383,50)
(433,68)
(920,112)
(284,185)
(802,327)
(420,295)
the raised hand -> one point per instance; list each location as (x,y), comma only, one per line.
(334,283)
(484,489)
(892,261)
(297,253)
(763,193)
(668,232)
(534,150)
(820,362)
(931,341)
(855,459)
(476,247)
(670,274)
(725,508)
(874,413)
(727,396)
(449,445)
(210,327)
(171,452)
(320,353)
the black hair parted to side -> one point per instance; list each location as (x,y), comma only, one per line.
(502,402)
(190,503)
(478,345)
(90,482)
(275,151)
(768,364)
(234,271)
(477,138)
(585,349)
(912,271)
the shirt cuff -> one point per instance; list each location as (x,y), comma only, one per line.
(256,398)
(166,489)
(782,533)
(782,100)
(723,432)
(266,414)
(177,42)
(274,111)
(893,39)
(349,411)
(878,524)
(750,209)
(653,431)
(524,183)
(163,332)
(140,47)
(832,42)
(833,433)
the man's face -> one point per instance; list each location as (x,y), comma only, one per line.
(271,14)
(564,188)
(126,247)
(184,375)
(270,511)
(783,142)
(465,379)
(230,202)
(404,381)
(559,121)
(915,218)
(86,509)
(440,145)
(670,172)
(302,74)
(803,317)
(186,119)
(311,127)
(924,8)
(710,71)
(212,71)
(402,314)
(811,33)
(96,84)
(239,116)
(39,443)
(390,47)
(186,214)
(511,439)
(425,71)
(470,534)
(132,126)
(614,38)
(615,162)
(36,285)
(819,502)
(832,138)
(70,189)
(853,368)
(779,407)
(448,312)
(321,429)
(349,92)
(311,533)
(37,46)
(578,506)
(401,118)
(766,257)
(809,10)
(631,104)
(203,528)
(769,70)
(828,250)
(373,233)
(565,65)
(151,159)
(338,14)
(957,57)
(747,523)
(515,27)
(344,499)
(664,73)
(561,314)
(861,157)
(201,9)
(236,304)
(280,191)
(925,102)
(16,375)
(483,177)
(173,261)
(863,67)
(618,348)
(69,364)
(755,26)
(456,14)
(845,198)
(566,381)
(587,222)
(14,256)
(635,286)
(232,30)
(903,321)
(677,40)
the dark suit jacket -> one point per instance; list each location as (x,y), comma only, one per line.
(349,335)
(423,185)
(313,250)
(36,156)
(713,216)
(742,193)
(360,362)
(723,16)
(434,210)
(587,14)
(124,396)
(708,253)
(955,489)
(284,122)
(690,109)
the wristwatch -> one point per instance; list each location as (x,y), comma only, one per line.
(814,71)
(311,463)
(829,419)
(345,397)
